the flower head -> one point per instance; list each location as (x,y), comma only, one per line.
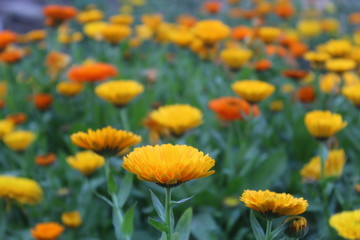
(352,93)
(338,48)
(269,34)
(47,231)
(115,33)
(253,91)
(168,165)
(211,31)
(340,65)
(119,92)
(90,15)
(56,14)
(323,124)
(122,19)
(309,28)
(273,205)
(86,162)
(235,58)
(7,37)
(298,227)
(6,127)
(306,94)
(347,224)
(19,140)
(42,101)
(69,89)
(71,219)
(45,160)
(105,141)
(92,72)
(21,190)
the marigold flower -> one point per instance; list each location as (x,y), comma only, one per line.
(298,227)
(71,219)
(153,21)
(6,127)
(263,65)
(298,49)
(105,141)
(352,93)
(241,32)
(56,61)
(276,106)
(232,108)
(346,224)
(11,55)
(295,74)
(115,33)
(86,162)
(253,91)
(47,231)
(168,165)
(69,89)
(35,35)
(334,165)
(269,34)
(330,83)
(17,118)
(19,140)
(21,190)
(330,25)
(90,15)
(323,124)
(273,49)
(340,65)
(211,31)
(58,14)
(42,101)
(122,19)
(235,58)
(306,94)
(284,9)
(338,48)
(187,21)
(309,28)
(178,118)
(45,160)
(212,7)
(273,205)
(7,37)
(181,37)
(317,59)
(92,72)
(94,29)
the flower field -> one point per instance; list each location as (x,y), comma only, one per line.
(201,120)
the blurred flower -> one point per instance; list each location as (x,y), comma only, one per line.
(211,31)
(284,9)
(86,162)
(3,89)
(338,48)
(11,55)
(181,37)
(330,25)
(295,74)
(276,106)
(56,61)
(16,118)
(287,88)
(263,8)
(233,108)
(357,188)
(63,192)
(57,14)
(168,165)
(346,224)
(105,141)
(298,49)
(92,72)
(36,35)
(212,7)
(352,93)
(309,28)
(6,127)
(323,124)
(94,29)
(21,190)
(235,58)
(178,118)
(241,32)
(155,130)
(231,201)
(269,34)
(306,94)
(298,227)
(45,160)
(273,205)
(90,15)
(354,18)
(115,33)
(42,101)
(122,19)
(187,21)
(71,219)
(263,65)
(47,231)
(317,59)
(153,21)
(7,37)
(69,89)
(19,140)
(275,49)
(143,32)
(340,65)
(253,91)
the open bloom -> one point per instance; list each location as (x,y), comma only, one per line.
(42,101)
(71,219)
(6,127)
(323,124)
(58,14)
(108,141)
(235,58)
(119,92)
(168,165)
(352,93)
(347,224)
(47,231)
(211,31)
(178,118)
(21,190)
(338,48)
(86,162)
(334,165)
(122,19)
(269,34)
(92,72)
(253,91)
(306,94)
(69,89)
(273,205)
(115,33)
(19,140)
(7,37)
(340,65)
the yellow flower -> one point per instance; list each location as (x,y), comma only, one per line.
(35,35)
(338,48)
(19,140)
(178,118)
(119,92)
(297,228)
(94,29)
(273,205)
(168,165)
(152,21)
(86,162)
(181,37)
(235,58)
(253,91)
(317,59)
(269,34)
(211,31)
(340,65)
(6,127)
(276,106)
(309,28)
(330,82)
(22,190)
(105,141)
(122,19)
(347,224)
(354,54)
(71,219)
(334,165)
(115,33)
(352,93)
(90,15)
(47,231)
(69,89)
(323,124)
(143,32)
(330,25)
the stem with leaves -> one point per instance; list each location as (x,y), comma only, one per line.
(169,233)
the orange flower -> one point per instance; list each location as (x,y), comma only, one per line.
(11,55)
(212,7)
(263,65)
(241,32)
(56,14)
(17,118)
(47,231)
(295,74)
(42,101)
(284,9)
(45,160)
(152,21)
(272,49)
(306,94)
(354,18)
(232,108)
(298,49)
(92,72)
(7,37)
(56,61)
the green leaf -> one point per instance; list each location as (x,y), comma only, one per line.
(279,229)
(183,227)
(160,210)
(181,201)
(162,227)
(112,188)
(125,188)
(256,227)
(127,228)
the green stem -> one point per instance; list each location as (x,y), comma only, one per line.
(169,234)
(124,119)
(323,156)
(268,229)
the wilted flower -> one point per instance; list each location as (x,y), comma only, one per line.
(298,227)
(253,91)
(340,65)
(92,72)
(6,127)
(211,31)
(71,219)
(19,140)
(273,205)
(21,190)
(45,160)
(47,231)
(352,93)
(346,224)
(86,162)
(69,89)
(168,165)
(235,58)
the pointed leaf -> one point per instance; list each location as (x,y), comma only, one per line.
(125,188)
(183,227)
(256,227)
(160,210)
(158,225)
(181,201)
(127,228)
(279,229)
